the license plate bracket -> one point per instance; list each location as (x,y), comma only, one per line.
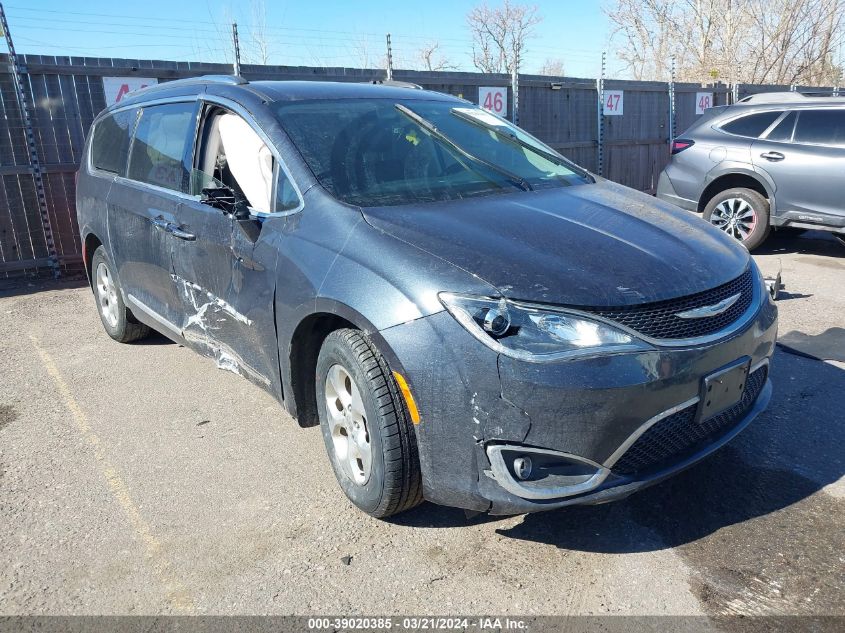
(723,389)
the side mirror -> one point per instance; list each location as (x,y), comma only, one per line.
(227,200)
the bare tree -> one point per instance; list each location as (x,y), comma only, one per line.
(499,34)
(361,50)
(752,41)
(552,68)
(258,32)
(430,58)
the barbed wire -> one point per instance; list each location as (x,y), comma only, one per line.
(286,43)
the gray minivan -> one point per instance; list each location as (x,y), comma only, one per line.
(770,160)
(468,316)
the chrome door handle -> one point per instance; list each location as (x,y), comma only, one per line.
(773,156)
(181,233)
(160,223)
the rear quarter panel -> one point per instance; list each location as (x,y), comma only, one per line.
(92,191)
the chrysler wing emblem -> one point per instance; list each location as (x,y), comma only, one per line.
(709,311)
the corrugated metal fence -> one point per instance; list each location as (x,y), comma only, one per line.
(66,93)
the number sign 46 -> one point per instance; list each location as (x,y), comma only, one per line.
(494,100)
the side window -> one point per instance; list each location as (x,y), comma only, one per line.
(826,127)
(235,156)
(783,130)
(752,125)
(286,197)
(110,143)
(162,137)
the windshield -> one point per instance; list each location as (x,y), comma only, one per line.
(378,152)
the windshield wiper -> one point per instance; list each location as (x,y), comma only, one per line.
(515,140)
(429,127)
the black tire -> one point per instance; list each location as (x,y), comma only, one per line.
(394,482)
(124,328)
(759,206)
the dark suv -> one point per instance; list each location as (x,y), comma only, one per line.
(468,316)
(770,160)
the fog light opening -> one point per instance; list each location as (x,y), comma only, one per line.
(539,473)
(522,467)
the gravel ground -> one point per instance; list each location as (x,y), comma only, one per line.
(139,479)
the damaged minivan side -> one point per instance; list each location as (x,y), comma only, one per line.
(469,317)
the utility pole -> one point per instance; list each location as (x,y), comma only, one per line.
(34,162)
(515,88)
(389,60)
(237,49)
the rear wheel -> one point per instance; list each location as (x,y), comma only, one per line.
(367,431)
(741,213)
(116,318)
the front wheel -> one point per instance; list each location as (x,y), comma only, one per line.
(367,431)
(741,213)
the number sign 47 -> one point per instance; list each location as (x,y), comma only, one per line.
(613,103)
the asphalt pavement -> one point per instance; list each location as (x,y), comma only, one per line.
(141,479)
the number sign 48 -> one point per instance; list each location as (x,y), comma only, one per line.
(703,100)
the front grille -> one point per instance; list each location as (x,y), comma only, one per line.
(679,435)
(658,320)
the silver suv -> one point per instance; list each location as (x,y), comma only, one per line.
(770,160)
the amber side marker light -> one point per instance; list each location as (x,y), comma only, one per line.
(409,399)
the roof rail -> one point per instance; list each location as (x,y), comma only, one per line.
(394,83)
(232,80)
(784,97)
(773,97)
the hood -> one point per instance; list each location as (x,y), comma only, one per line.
(597,244)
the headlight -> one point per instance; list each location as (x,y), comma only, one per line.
(535,333)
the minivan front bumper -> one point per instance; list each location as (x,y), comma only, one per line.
(471,399)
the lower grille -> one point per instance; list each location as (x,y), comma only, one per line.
(679,435)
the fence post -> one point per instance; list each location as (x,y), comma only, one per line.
(389,60)
(34,162)
(515,89)
(237,66)
(600,117)
(672,103)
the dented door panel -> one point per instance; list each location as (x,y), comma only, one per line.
(226,293)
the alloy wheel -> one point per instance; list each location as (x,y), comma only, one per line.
(107,294)
(348,425)
(736,217)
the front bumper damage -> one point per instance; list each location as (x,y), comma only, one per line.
(476,406)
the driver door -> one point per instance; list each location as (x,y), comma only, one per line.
(227,296)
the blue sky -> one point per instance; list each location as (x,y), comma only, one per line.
(323,32)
